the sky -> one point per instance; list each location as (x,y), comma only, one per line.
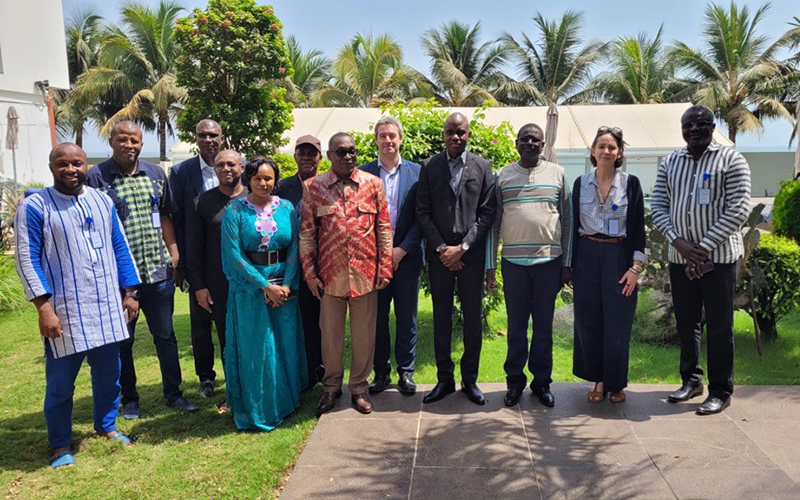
(327,25)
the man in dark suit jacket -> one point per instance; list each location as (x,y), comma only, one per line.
(455,211)
(188,180)
(399,179)
(307,154)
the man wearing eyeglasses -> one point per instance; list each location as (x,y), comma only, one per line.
(701,199)
(187,181)
(346,256)
(534,222)
(207,282)
(455,211)
(307,155)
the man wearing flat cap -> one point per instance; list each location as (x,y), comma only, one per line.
(307,154)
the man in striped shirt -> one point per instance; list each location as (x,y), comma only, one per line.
(74,262)
(533,218)
(701,199)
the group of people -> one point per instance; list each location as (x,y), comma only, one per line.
(277,263)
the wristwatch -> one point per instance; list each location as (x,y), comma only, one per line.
(465,246)
(133,294)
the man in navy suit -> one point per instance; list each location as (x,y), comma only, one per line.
(307,155)
(456,210)
(187,181)
(399,179)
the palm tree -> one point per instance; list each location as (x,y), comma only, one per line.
(368,72)
(136,67)
(466,72)
(84,34)
(555,68)
(736,74)
(311,70)
(641,72)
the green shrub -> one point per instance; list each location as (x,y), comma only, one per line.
(786,210)
(776,276)
(11,294)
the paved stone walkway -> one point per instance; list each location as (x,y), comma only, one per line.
(644,448)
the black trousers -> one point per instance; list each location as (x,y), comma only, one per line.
(530,292)
(202,342)
(470,293)
(403,289)
(309,311)
(603,315)
(714,292)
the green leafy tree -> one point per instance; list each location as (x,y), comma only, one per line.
(369,72)
(233,57)
(135,70)
(736,73)
(311,70)
(642,72)
(466,72)
(84,34)
(555,68)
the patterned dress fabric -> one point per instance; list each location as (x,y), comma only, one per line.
(265,363)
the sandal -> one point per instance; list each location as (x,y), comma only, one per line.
(596,396)
(122,438)
(617,397)
(61,459)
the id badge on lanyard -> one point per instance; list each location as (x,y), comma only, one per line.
(613,228)
(95,237)
(155,215)
(703,192)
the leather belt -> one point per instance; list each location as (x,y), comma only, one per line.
(603,238)
(267,258)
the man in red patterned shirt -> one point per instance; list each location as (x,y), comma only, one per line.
(346,256)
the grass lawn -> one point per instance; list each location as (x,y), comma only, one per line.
(202,455)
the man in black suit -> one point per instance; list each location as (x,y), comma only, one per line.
(307,154)
(187,181)
(399,177)
(455,211)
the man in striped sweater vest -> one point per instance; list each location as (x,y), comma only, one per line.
(534,222)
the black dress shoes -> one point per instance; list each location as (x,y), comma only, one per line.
(713,405)
(473,393)
(327,401)
(183,405)
(512,396)
(380,383)
(406,383)
(545,396)
(441,390)
(685,393)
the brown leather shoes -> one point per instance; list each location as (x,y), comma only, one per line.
(327,401)
(362,403)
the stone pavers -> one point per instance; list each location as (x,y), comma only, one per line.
(644,448)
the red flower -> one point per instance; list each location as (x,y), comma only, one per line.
(196,31)
(282,70)
(225,24)
(494,141)
(270,11)
(274,27)
(202,20)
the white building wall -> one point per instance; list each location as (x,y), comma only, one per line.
(33,48)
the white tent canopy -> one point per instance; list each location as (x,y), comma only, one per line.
(646,127)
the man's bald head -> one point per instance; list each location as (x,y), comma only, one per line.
(124,125)
(228,154)
(456,134)
(229,169)
(68,165)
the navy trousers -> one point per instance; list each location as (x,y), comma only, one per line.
(603,315)
(530,292)
(157,302)
(61,374)
(404,290)
(714,292)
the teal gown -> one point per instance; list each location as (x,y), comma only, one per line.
(265,363)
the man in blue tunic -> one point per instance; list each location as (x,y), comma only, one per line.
(77,269)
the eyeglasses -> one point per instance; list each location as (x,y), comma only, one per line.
(342,152)
(607,130)
(529,139)
(700,124)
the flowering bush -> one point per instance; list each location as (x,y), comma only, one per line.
(232,53)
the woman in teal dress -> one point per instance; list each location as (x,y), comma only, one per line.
(265,364)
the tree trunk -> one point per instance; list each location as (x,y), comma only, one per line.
(79,136)
(732,133)
(162,138)
(768,327)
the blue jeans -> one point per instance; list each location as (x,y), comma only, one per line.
(60,375)
(157,302)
